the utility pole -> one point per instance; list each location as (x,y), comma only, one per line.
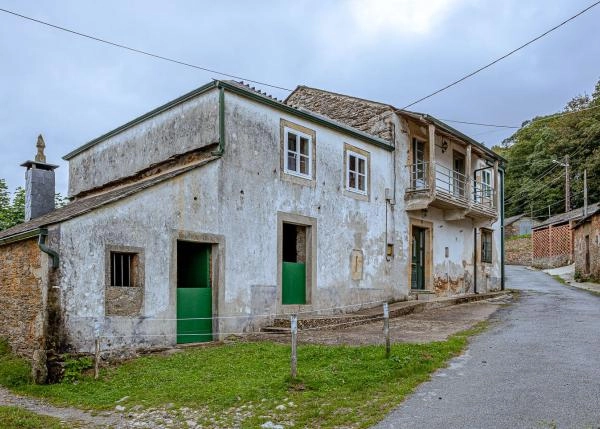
(567,182)
(567,186)
(585,199)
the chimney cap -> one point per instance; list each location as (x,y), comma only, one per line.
(39,165)
(40,157)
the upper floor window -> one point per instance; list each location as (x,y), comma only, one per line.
(356,173)
(298,154)
(486,183)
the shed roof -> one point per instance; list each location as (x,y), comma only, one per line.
(87,204)
(575,214)
(590,215)
(512,219)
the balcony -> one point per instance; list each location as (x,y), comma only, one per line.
(452,191)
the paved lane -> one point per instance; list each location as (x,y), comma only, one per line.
(538,366)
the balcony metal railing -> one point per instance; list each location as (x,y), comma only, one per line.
(451,184)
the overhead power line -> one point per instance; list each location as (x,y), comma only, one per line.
(480,69)
(480,124)
(139,51)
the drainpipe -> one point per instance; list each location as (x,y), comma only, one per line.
(474,260)
(42,245)
(221,149)
(501,171)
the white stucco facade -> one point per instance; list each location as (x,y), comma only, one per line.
(237,203)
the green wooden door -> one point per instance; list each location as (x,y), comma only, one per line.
(194,292)
(417,278)
(293,283)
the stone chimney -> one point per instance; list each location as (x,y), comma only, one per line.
(39,184)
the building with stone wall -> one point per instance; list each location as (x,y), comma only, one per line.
(519,225)
(225,207)
(586,238)
(553,239)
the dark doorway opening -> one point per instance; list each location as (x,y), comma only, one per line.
(294,249)
(194,292)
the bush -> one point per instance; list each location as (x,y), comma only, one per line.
(74,367)
(14,371)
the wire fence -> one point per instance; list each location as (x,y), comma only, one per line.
(109,342)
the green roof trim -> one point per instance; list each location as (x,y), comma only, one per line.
(245,92)
(20,237)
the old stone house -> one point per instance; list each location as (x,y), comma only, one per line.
(211,214)
(586,239)
(519,225)
(553,239)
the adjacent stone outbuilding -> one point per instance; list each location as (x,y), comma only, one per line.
(586,237)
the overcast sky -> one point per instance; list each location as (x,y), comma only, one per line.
(72,89)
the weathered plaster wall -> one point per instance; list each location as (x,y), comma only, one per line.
(591,229)
(150,220)
(238,198)
(23,276)
(189,125)
(251,199)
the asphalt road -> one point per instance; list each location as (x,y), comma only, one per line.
(538,366)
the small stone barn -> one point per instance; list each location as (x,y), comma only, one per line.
(518,225)
(586,237)
(553,239)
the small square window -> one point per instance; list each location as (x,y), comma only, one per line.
(356,172)
(123,269)
(486,246)
(298,153)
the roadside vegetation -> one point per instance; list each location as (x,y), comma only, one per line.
(534,182)
(247,383)
(16,418)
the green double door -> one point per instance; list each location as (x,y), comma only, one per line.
(417,278)
(194,292)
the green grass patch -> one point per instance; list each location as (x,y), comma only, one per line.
(16,418)
(559,279)
(14,371)
(336,385)
(518,237)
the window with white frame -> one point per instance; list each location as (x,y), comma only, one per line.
(486,179)
(357,172)
(298,153)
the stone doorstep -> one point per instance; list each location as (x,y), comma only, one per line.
(396,309)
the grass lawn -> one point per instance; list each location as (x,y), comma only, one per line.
(248,383)
(16,418)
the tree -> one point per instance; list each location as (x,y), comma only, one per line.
(12,210)
(534,183)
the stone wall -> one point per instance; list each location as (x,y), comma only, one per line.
(519,251)
(587,270)
(22,309)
